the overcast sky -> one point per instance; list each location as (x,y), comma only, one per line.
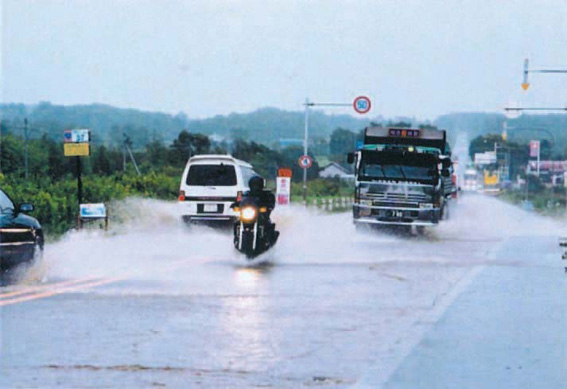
(414,58)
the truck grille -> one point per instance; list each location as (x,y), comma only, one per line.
(405,200)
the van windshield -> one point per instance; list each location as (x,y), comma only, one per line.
(211,175)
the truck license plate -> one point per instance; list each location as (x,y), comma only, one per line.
(210,208)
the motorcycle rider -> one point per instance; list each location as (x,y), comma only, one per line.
(265,199)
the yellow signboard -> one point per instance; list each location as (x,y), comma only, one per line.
(76,149)
(490,179)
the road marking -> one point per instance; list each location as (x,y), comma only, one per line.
(378,375)
(59,290)
(48,290)
(39,288)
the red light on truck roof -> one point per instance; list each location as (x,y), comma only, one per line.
(403,133)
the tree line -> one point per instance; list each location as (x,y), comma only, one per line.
(108,173)
(46,158)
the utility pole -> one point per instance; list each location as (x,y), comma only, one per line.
(527,187)
(133,160)
(127,143)
(525,86)
(79,182)
(27,129)
(538,156)
(305,137)
(26,147)
(123,159)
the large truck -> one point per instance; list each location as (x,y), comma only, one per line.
(471,180)
(403,176)
(491,182)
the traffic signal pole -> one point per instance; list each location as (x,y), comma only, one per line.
(306,135)
(525,86)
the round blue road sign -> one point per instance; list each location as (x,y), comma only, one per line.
(362,104)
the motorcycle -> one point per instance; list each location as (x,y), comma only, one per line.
(254,233)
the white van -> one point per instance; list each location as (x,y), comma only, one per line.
(210,184)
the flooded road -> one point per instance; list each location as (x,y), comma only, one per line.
(154,304)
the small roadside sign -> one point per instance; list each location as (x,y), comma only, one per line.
(534,148)
(77,136)
(362,104)
(284,172)
(305,161)
(93,211)
(283,186)
(76,149)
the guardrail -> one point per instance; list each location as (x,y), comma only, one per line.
(331,204)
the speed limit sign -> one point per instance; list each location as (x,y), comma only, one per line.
(362,104)
(305,161)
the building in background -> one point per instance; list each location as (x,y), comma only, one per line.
(551,173)
(334,170)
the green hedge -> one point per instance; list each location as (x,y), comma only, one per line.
(548,201)
(55,201)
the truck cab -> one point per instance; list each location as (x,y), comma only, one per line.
(403,177)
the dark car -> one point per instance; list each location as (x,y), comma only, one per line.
(21,236)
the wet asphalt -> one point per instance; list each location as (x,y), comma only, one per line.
(329,307)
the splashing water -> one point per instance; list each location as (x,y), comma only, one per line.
(149,236)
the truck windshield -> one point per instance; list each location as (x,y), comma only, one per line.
(403,172)
(211,175)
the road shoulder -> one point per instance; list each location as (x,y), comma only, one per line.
(506,330)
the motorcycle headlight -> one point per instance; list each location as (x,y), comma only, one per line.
(248,214)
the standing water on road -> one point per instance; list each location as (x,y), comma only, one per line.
(150,237)
(321,308)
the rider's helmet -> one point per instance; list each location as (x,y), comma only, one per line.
(256,184)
